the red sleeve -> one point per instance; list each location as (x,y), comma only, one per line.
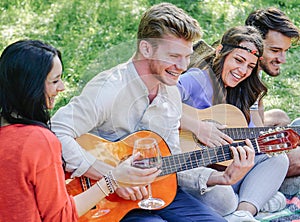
(52,199)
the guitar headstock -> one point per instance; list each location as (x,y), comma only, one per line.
(278,141)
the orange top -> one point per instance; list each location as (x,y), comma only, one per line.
(32,187)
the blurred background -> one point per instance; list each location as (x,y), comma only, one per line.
(95,35)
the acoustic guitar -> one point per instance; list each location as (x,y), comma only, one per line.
(226,114)
(165,186)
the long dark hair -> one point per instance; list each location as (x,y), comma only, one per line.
(24,66)
(248,91)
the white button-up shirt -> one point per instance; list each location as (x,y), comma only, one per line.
(112,105)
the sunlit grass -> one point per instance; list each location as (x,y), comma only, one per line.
(95,35)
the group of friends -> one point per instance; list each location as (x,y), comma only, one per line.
(148,92)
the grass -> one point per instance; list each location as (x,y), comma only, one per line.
(95,35)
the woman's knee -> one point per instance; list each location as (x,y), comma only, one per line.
(283,160)
(280,162)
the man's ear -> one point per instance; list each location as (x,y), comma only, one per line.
(218,49)
(146,48)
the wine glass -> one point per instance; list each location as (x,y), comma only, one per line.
(149,157)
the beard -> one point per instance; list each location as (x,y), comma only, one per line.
(266,68)
(161,75)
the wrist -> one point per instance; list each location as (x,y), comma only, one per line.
(103,187)
(108,184)
(217,178)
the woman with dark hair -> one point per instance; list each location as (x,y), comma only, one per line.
(23,98)
(230,75)
(33,186)
(240,86)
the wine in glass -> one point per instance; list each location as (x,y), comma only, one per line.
(149,157)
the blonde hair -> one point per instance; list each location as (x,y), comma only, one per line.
(167,19)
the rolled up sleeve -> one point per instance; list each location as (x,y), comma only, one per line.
(195,179)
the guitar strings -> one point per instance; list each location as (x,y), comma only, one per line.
(198,158)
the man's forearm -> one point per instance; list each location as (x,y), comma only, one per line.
(97,170)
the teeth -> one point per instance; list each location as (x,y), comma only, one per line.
(276,64)
(236,76)
(173,73)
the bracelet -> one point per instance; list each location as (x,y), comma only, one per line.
(114,181)
(98,184)
(109,184)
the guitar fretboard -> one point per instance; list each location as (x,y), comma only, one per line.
(198,158)
(242,133)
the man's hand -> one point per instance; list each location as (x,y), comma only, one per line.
(243,161)
(132,193)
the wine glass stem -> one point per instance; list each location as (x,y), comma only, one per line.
(149,191)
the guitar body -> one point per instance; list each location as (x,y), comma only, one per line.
(112,153)
(225,114)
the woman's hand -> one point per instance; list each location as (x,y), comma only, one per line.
(210,134)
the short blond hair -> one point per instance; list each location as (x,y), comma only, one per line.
(167,19)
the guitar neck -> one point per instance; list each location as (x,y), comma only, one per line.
(243,133)
(198,158)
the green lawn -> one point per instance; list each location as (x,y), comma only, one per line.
(95,35)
